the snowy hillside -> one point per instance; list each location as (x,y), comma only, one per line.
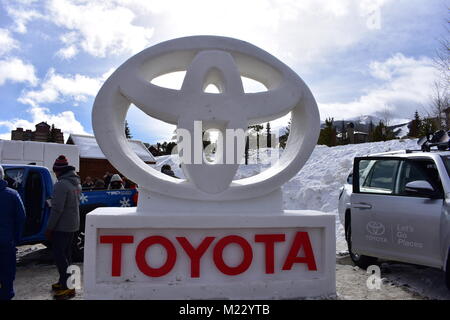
(317,185)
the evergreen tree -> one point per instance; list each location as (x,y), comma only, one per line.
(382,133)
(247,146)
(328,134)
(269,135)
(428,127)
(257,128)
(415,128)
(371,128)
(379,132)
(127,131)
(343,133)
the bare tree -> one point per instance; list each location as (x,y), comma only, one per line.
(386,115)
(442,59)
(439,105)
(438,108)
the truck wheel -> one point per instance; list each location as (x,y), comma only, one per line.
(447,271)
(78,247)
(360,260)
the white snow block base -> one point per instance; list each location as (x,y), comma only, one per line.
(137,255)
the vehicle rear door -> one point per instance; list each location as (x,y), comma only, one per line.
(372,204)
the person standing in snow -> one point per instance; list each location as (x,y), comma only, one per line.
(63,222)
(12,220)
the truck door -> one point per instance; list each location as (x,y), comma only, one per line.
(390,222)
(373,188)
(416,222)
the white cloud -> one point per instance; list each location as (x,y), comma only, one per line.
(7,43)
(99,28)
(15,70)
(59,88)
(405,87)
(22,15)
(65,120)
(297,31)
(67,52)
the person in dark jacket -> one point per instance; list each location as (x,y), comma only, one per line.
(63,222)
(12,220)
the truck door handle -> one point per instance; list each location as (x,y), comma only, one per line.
(362,206)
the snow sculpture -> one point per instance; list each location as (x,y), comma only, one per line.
(207,59)
(207,236)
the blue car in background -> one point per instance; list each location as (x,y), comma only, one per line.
(35,187)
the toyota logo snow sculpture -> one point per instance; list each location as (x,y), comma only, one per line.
(207,236)
(206,59)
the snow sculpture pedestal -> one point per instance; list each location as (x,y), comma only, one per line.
(237,263)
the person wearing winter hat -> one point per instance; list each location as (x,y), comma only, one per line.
(63,222)
(12,220)
(116,183)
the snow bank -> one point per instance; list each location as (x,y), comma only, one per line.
(317,185)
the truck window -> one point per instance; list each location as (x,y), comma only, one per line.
(379,176)
(14,177)
(419,169)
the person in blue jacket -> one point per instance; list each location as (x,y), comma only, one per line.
(12,220)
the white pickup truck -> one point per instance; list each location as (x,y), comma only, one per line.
(396,206)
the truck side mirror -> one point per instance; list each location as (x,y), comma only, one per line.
(421,188)
(350,178)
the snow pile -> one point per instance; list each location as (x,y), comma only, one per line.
(317,185)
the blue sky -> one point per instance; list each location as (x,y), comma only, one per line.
(359,57)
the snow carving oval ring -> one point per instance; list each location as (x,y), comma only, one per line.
(206,59)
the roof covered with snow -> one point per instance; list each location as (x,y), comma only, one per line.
(89,148)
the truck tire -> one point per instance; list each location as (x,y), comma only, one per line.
(78,247)
(359,260)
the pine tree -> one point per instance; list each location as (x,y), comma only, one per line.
(371,128)
(257,128)
(428,127)
(343,133)
(415,128)
(328,134)
(269,135)
(127,131)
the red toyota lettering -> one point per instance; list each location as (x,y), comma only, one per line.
(301,240)
(141,261)
(195,254)
(218,255)
(269,242)
(117,242)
